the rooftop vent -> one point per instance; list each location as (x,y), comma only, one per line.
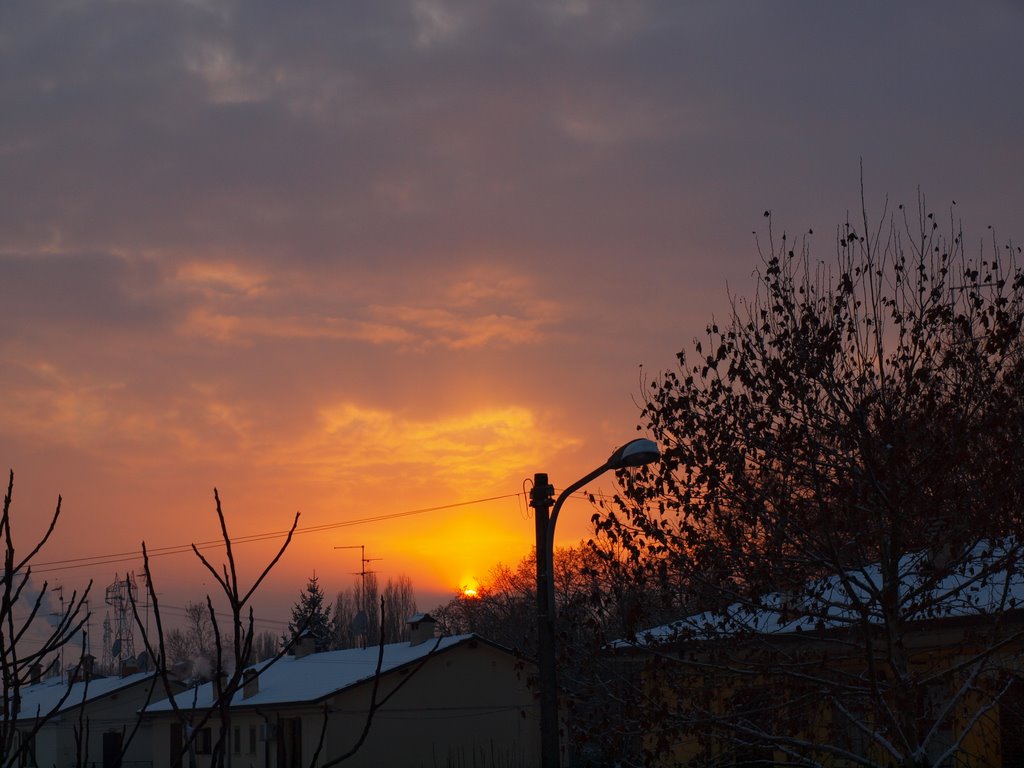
(305,645)
(421,628)
(251,684)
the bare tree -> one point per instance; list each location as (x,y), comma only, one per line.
(840,492)
(375,703)
(265,646)
(194,642)
(399,603)
(23,608)
(231,643)
(356,614)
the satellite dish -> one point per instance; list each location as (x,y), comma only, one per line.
(143,661)
(115,649)
(359,624)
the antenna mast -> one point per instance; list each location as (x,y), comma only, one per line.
(360,626)
(362,573)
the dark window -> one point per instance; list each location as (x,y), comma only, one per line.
(177,742)
(204,741)
(112,741)
(26,750)
(1011,724)
(289,743)
(753,710)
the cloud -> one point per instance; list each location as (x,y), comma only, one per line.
(220,278)
(247,330)
(61,289)
(477,447)
(274,242)
(487,309)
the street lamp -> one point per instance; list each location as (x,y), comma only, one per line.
(635,453)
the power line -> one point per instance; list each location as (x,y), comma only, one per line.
(133,556)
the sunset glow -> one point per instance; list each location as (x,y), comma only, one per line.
(378,265)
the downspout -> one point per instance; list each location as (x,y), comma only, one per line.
(266,742)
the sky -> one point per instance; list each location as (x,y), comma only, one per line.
(357,260)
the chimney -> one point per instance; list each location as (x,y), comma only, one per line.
(305,646)
(35,673)
(251,683)
(421,628)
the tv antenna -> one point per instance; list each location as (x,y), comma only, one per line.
(360,624)
(362,573)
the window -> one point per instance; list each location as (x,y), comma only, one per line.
(26,750)
(753,708)
(177,743)
(1011,723)
(112,745)
(204,741)
(252,739)
(237,740)
(289,743)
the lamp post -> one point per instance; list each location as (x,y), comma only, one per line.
(635,453)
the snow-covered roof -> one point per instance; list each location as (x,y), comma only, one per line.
(43,697)
(310,678)
(986,580)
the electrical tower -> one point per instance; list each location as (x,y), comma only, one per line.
(120,596)
(107,663)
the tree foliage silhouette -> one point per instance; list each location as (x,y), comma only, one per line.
(842,453)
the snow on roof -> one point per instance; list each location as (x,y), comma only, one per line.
(986,580)
(315,676)
(43,697)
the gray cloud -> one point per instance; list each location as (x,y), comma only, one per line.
(221,220)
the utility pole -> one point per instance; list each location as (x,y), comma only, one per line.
(541,499)
(635,453)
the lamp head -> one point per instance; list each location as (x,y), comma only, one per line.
(635,453)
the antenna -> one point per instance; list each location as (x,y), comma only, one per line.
(360,626)
(59,589)
(362,573)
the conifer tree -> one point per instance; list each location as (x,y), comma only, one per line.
(311,615)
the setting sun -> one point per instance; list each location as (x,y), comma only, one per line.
(470,588)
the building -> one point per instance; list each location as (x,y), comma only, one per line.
(106,709)
(925,668)
(452,701)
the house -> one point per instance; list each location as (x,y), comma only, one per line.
(925,667)
(438,701)
(54,712)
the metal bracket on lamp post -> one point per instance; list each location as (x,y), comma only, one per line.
(635,453)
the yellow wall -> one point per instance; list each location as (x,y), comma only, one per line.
(467,706)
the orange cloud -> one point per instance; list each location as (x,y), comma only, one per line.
(490,308)
(469,451)
(220,278)
(245,330)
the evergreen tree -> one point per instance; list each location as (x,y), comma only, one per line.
(311,615)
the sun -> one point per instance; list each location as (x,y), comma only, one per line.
(470,589)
